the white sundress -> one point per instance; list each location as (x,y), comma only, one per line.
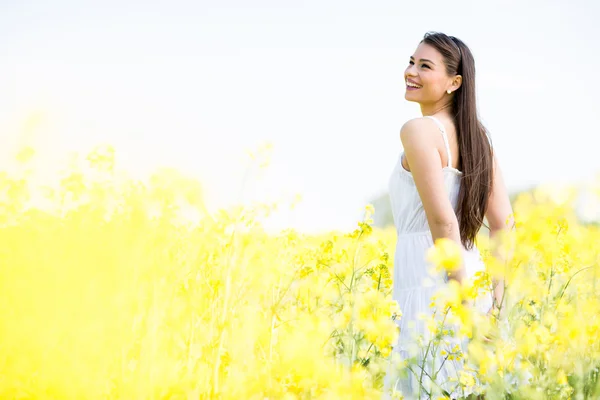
(413,286)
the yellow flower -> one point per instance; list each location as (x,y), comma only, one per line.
(561,377)
(466,380)
(445,254)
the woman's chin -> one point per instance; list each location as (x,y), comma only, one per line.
(409,96)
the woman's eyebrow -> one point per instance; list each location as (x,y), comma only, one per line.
(423,59)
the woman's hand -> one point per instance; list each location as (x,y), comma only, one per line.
(493,312)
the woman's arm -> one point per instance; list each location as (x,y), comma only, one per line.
(500,218)
(421,141)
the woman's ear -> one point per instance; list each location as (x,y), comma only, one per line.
(456,82)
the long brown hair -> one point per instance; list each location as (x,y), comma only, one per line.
(475,145)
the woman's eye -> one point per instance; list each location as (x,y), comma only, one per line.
(422,65)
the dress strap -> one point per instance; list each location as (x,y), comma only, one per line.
(441,126)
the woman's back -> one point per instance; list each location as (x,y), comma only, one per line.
(407,207)
(413,282)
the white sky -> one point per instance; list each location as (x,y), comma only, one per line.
(194,84)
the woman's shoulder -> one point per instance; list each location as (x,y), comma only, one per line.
(423,121)
(421,130)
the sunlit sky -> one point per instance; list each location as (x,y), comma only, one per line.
(194,84)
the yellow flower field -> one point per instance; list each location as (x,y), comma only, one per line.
(112,288)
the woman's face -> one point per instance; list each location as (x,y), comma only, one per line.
(427,71)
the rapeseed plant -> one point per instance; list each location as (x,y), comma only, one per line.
(112,287)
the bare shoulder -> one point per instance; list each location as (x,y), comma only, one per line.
(419,132)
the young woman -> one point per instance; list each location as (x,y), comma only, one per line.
(444,183)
